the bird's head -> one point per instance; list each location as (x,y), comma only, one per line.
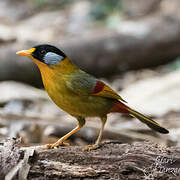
(46,54)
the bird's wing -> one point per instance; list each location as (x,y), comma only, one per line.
(84,84)
(101,89)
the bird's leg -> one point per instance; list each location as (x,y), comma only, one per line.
(96,145)
(61,142)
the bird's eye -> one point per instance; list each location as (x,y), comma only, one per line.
(43,51)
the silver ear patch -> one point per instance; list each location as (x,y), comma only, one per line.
(51,58)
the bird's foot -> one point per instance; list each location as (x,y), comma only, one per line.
(91,147)
(57,144)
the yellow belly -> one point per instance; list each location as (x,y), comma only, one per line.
(77,105)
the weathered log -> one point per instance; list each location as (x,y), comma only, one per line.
(142,160)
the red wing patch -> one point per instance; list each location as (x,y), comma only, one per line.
(99,87)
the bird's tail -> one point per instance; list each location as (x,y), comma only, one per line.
(122,108)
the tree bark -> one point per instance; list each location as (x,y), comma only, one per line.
(112,160)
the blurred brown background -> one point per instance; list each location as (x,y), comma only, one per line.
(132,45)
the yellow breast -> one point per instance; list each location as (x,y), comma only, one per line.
(54,80)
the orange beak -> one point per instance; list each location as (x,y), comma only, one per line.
(26,52)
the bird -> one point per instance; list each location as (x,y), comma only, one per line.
(78,93)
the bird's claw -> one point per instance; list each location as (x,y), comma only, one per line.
(57,144)
(91,147)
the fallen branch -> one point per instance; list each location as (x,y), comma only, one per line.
(112,160)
